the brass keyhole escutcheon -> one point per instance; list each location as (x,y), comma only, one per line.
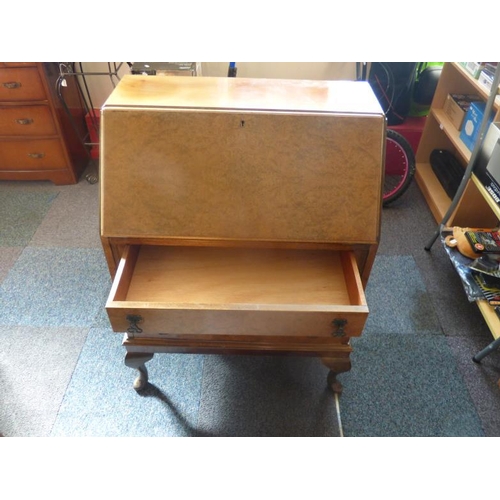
(133,319)
(339,325)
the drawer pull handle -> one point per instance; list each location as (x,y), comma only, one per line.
(24,121)
(12,85)
(339,325)
(36,155)
(133,320)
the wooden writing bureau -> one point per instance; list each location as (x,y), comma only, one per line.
(240,216)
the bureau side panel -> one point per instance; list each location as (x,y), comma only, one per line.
(241,175)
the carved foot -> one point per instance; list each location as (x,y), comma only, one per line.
(138,361)
(141,379)
(333,383)
(336,366)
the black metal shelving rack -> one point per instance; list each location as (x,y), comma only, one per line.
(72,69)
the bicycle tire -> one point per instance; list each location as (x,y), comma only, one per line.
(399,166)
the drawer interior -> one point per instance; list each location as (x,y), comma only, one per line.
(210,275)
(168,290)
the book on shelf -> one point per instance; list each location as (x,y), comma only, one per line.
(490,288)
(488,264)
(484,241)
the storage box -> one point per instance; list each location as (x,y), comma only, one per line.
(472,124)
(474,68)
(165,68)
(457,105)
(486,79)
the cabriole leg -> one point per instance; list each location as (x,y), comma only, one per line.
(138,361)
(336,366)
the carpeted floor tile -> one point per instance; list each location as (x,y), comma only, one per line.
(101,319)
(397,298)
(437,271)
(448,296)
(469,323)
(7,258)
(73,219)
(54,287)
(100,400)
(22,213)
(406,385)
(399,236)
(35,368)
(266,396)
(481,379)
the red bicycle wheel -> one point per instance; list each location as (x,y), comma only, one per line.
(399,166)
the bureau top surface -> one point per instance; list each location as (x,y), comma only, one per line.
(315,96)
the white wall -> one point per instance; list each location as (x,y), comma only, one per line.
(100,86)
(301,70)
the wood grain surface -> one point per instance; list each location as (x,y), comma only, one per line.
(234,175)
(245,94)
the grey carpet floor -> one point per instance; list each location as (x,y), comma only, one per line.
(62,370)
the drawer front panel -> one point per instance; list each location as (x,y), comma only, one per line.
(17,64)
(21,84)
(148,322)
(32,155)
(26,121)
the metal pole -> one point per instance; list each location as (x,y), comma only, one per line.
(487,350)
(472,161)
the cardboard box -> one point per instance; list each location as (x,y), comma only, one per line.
(486,79)
(472,123)
(457,105)
(165,68)
(474,68)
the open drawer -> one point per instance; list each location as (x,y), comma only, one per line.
(236,291)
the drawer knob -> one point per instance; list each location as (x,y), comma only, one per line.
(133,319)
(24,121)
(339,325)
(11,85)
(36,155)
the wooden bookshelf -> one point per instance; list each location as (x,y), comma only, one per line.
(440,133)
(476,207)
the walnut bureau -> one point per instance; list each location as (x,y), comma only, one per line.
(240,216)
(42,125)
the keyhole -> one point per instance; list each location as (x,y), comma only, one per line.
(242,123)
